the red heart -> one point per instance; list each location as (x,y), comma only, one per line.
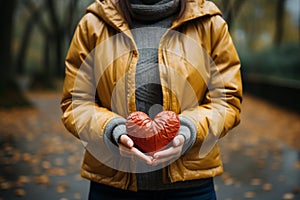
(152,135)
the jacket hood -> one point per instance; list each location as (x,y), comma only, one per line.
(107,11)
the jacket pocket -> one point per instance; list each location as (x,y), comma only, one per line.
(94,166)
(192,160)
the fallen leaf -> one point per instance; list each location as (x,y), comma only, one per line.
(26,157)
(288,196)
(20,192)
(225,176)
(62,187)
(46,164)
(72,160)
(297,165)
(5,185)
(267,187)
(256,181)
(249,195)
(77,196)
(43,179)
(229,181)
(57,172)
(22,180)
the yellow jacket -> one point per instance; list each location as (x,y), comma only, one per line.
(200,76)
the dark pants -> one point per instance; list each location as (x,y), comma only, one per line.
(103,192)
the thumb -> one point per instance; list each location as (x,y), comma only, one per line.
(126,141)
(178,140)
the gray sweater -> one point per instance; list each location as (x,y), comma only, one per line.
(152,18)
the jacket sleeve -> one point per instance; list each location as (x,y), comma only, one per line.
(83,114)
(220,109)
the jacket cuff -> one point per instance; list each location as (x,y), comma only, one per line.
(188,130)
(112,132)
(185,132)
(117,132)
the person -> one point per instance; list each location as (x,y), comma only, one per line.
(151,56)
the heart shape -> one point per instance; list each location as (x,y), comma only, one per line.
(152,135)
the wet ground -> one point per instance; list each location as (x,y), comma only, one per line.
(39,159)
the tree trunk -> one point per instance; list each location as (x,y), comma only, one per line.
(57,39)
(70,16)
(231,10)
(10,93)
(59,62)
(6,23)
(279,22)
(47,46)
(25,42)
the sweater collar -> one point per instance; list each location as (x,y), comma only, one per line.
(156,11)
(107,11)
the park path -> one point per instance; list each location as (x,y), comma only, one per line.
(39,159)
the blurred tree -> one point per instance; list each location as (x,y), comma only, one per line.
(9,91)
(280,15)
(27,33)
(7,9)
(231,10)
(55,27)
(60,29)
(56,36)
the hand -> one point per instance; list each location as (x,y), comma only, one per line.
(170,154)
(127,149)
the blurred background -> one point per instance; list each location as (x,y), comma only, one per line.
(38,158)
